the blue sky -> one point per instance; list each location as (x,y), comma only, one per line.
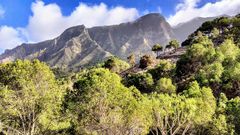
(17,12)
(38,20)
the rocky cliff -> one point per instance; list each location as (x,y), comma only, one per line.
(80,46)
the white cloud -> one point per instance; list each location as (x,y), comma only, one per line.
(9,37)
(188,9)
(47,21)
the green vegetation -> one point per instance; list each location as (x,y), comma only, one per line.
(100,100)
(164,85)
(30,100)
(157,48)
(116,65)
(142,81)
(218,30)
(146,61)
(173,44)
(164,68)
(198,95)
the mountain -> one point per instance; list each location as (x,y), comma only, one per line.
(80,46)
(183,30)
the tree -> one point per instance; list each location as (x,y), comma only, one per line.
(215,33)
(197,55)
(183,113)
(157,48)
(210,74)
(142,81)
(205,101)
(101,104)
(219,125)
(131,60)
(146,61)
(165,68)
(200,34)
(164,85)
(172,114)
(175,44)
(230,52)
(233,112)
(31,99)
(116,65)
(223,22)
(236,21)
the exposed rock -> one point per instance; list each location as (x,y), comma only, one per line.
(80,46)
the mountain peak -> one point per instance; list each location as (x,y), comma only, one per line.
(80,46)
(151,17)
(72,32)
(152,21)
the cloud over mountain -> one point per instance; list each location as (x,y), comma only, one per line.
(9,37)
(188,9)
(47,21)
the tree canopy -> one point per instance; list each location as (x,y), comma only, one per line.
(31,99)
(157,48)
(198,95)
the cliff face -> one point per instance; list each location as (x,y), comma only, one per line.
(134,37)
(80,46)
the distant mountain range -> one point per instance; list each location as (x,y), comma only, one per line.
(79,46)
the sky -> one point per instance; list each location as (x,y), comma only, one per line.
(29,21)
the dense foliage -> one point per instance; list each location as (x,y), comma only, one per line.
(211,63)
(30,99)
(116,65)
(197,95)
(218,30)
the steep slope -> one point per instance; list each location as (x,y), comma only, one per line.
(183,30)
(135,37)
(72,49)
(80,46)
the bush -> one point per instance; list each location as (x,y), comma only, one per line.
(116,65)
(142,81)
(164,69)
(146,61)
(164,85)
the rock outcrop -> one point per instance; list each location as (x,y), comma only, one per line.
(80,46)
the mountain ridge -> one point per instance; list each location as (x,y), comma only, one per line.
(79,46)
(183,30)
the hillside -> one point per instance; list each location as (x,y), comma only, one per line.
(183,30)
(192,89)
(80,46)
